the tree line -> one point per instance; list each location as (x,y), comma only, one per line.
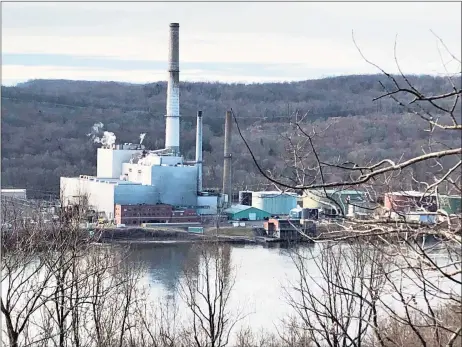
(45,123)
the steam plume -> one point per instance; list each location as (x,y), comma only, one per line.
(108,139)
(95,129)
(142,137)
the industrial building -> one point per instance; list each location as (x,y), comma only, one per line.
(131,215)
(14,193)
(274,202)
(452,204)
(345,202)
(289,229)
(245,197)
(304,213)
(244,212)
(409,202)
(130,174)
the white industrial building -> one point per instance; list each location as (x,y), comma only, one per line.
(14,193)
(130,174)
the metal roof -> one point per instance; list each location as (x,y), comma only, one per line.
(239,208)
(410,193)
(274,192)
(107,180)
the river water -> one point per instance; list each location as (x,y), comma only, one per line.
(263,277)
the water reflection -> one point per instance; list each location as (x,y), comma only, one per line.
(263,274)
(164,262)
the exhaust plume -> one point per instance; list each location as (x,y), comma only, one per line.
(95,129)
(107,140)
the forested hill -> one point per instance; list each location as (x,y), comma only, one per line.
(45,122)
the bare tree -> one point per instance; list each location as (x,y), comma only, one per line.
(417,264)
(58,288)
(336,302)
(25,279)
(206,290)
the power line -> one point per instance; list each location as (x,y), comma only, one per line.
(327,113)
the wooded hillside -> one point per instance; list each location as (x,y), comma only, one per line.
(45,124)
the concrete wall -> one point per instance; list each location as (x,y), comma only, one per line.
(137,173)
(109,161)
(100,195)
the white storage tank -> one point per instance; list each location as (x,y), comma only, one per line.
(274,202)
(296,213)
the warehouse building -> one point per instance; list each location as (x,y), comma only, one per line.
(411,202)
(452,204)
(244,212)
(408,201)
(344,202)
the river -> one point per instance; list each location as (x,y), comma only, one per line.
(263,276)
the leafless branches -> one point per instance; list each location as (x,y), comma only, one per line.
(387,271)
(206,291)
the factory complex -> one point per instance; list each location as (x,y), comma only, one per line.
(139,186)
(135,185)
(129,174)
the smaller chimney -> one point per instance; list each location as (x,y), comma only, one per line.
(199,150)
(227,188)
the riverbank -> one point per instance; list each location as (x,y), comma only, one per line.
(172,235)
(239,235)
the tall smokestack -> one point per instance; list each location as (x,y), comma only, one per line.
(172,128)
(227,189)
(199,150)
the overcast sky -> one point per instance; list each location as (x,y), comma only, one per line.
(228,42)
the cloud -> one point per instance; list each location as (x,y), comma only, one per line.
(314,36)
(13,74)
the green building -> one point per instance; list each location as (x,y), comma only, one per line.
(451,203)
(244,212)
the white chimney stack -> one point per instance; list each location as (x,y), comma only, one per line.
(199,150)
(172,128)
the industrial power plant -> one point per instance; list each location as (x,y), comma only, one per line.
(135,185)
(139,186)
(130,174)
